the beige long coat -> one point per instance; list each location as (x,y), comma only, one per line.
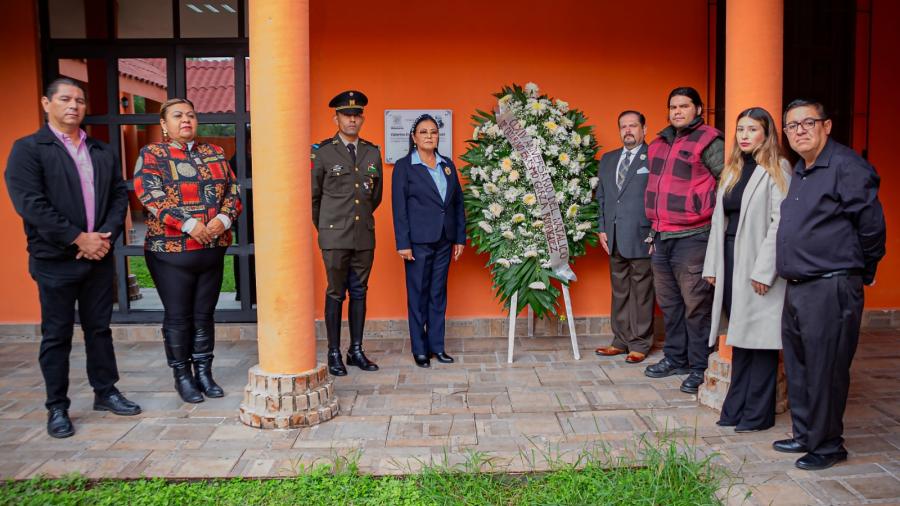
(755,319)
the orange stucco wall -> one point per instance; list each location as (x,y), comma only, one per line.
(592,54)
(883,110)
(22,115)
(454,55)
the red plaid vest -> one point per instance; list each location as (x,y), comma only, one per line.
(681,191)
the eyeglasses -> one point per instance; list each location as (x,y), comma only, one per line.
(807,124)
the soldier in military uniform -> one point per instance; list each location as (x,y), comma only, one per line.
(346,190)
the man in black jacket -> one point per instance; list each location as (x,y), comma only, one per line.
(69,190)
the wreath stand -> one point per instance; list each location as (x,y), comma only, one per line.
(512,323)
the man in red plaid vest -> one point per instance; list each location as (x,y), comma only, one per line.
(685,162)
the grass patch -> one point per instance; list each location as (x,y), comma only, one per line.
(661,473)
(138,267)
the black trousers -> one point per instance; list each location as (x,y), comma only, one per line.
(631,280)
(62,283)
(188,283)
(685,299)
(426,295)
(820,331)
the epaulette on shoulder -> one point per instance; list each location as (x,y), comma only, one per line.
(363,141)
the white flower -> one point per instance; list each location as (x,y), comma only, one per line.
(506,164)
(575,139)
(545,264)
(494,131)
(486,226)
(511,194)
(508,235)
(537,285)
(475,133)
(518,218)
(560,197)
(594,182)
(514,156)
(530,253)
(553,150)
(566,122)
(564,158)
(536,107)
(475,192)
(586,141)
(531,89)
(487,214)
(538,224)
(643,156)
(502,261)
(551,126)
(529,199)
(495,209)
(505,99)
(513,176)
(573,184)
(490,188)
(562,105)
(531,130)
(495,174)
(572,211)
(523,123)
(488,151)
(584,225)
(579,236)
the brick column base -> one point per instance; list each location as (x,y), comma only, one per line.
(288,401)
(718,378)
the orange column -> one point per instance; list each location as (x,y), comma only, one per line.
(279,62)
(754,40)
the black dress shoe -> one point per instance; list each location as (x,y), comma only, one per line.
(692,383)
(816,462)
(444,358)
(117,403)
(422,360)
(744,430)
(58,423)
(722,423)
(336,364)
(788,446)
(664,368)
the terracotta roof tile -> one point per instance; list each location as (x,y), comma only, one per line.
(210,81)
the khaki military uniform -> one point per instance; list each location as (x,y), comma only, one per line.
(344,198)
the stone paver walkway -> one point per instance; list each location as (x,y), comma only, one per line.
(544,405)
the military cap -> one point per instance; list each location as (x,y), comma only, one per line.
(349,102)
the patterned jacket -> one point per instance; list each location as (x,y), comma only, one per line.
(175,185)
(681,189)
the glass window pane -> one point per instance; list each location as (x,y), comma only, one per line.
(69,20)
(212,19)
(247,83)
(210,83)
(143,85)
(228,299)
(91,73)
(144,19)
(133,138)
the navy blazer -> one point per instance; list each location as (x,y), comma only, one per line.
(45,189)
(420,216)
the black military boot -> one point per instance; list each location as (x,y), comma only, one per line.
(355,355)
(333,310)
(202,356)
(178,355)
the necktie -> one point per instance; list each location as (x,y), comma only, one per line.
(623,169)
(352,148)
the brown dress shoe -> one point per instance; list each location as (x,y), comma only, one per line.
(609,351)
(635,357)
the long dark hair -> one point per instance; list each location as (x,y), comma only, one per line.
(420,119)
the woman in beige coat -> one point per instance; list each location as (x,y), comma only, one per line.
(740,262)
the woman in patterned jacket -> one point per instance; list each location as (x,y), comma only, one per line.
(191,199)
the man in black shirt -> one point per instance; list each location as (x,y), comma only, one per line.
(830,239)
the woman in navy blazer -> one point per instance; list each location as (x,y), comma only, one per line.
(429,227)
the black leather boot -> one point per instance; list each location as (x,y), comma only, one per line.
(202,356)
(356,356)
(333,310)
(178,355)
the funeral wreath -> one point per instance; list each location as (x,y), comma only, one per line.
(529,202)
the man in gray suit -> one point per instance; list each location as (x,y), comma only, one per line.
(624,227)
